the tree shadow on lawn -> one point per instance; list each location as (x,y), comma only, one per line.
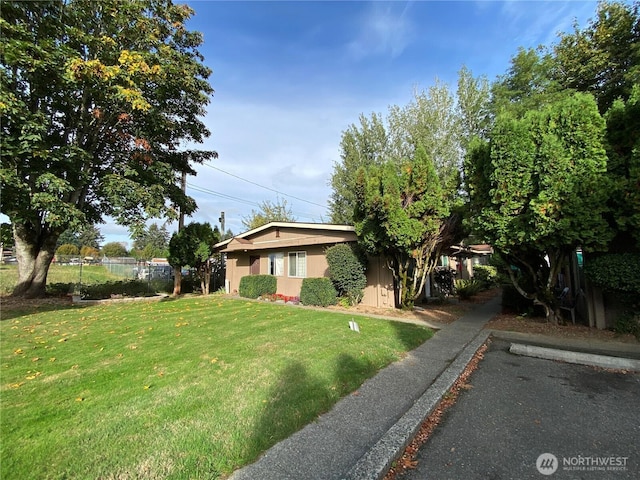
(412,336)
(298,398)
(12,308)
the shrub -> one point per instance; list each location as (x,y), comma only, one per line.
(347,272)
(318,291)
(253,286)
(486,275)
(467,288)
(127,288)
(615,272)
(59,289)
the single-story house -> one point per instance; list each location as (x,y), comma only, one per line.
(293,251)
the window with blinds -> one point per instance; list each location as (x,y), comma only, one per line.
(298,264)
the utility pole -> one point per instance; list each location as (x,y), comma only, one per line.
(221,220)
(177,273)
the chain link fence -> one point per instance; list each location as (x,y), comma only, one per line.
(91,271)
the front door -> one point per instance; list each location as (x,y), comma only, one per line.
(255,265)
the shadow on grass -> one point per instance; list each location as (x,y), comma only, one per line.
(15,308)
(298,398)
(412,336)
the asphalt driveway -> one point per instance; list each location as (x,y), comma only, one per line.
(586,420)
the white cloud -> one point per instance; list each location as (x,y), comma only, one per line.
(383,30)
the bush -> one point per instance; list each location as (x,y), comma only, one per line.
(254,286)
(318,291)
(127,288)
(486,275)
(467,288)
(615,272)
(347,272)
(59,289)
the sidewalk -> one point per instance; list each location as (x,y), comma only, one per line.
(367,430)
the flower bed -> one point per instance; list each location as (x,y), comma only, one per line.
(278,297)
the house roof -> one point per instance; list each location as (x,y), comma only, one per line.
(243,241)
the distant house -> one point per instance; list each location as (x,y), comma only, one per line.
(294,251)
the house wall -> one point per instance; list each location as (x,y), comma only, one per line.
(238,266)
(378,293)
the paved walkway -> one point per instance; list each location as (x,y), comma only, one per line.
(365,432)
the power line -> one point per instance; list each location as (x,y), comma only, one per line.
(262,186)
(241,200)
(222,195)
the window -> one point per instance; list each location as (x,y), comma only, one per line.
(276,264)
(298,264)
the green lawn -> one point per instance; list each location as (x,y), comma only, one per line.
(181,389)
(59,274)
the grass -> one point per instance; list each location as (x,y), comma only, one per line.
(179,389)
(91,274)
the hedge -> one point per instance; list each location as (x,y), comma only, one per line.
(615,272)
(253,286)
(318,291)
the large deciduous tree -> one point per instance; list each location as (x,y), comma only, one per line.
(402,214)
(95,99)
(538,191)
(193,246)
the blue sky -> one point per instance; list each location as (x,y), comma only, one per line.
(289,77)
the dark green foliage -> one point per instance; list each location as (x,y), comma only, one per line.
(347,272)
(253,286)
(126,288)
(193,246)
(486,275)
(402,212)
(615,272)
(467,288)
(512,301)
(318,291)
(546,191)
(59,289)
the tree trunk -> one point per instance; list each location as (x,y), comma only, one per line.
(34,254)
(177,280)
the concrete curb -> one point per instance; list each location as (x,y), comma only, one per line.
(610,348)
(603,361)
(375,464)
